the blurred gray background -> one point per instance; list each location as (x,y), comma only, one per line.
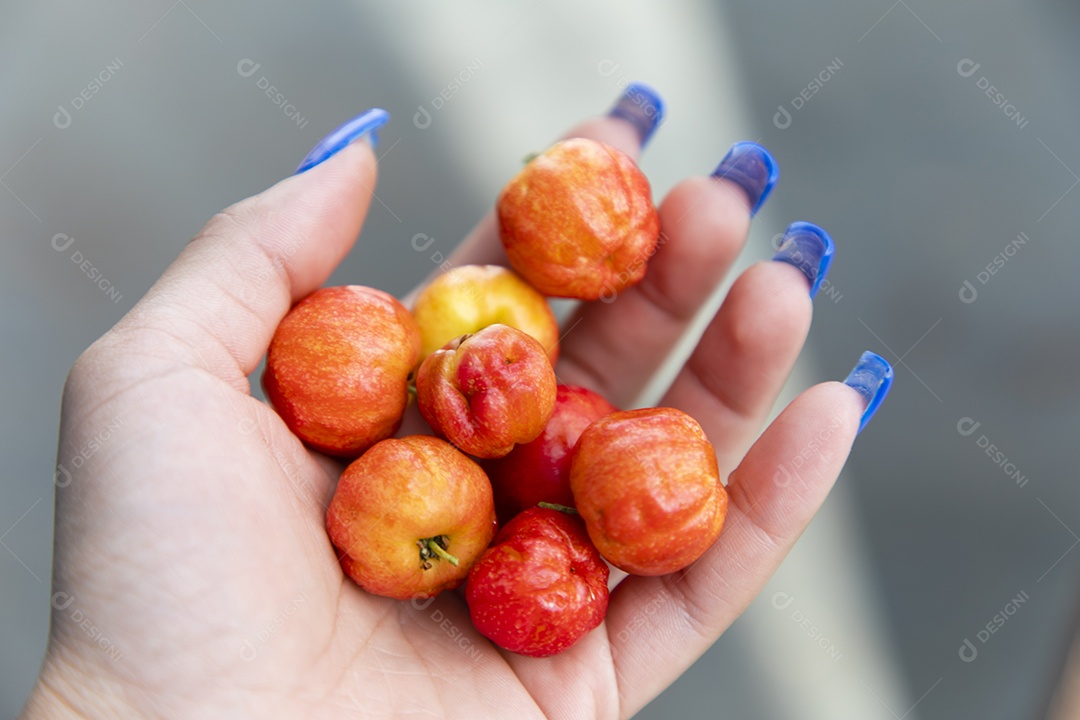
(124,128)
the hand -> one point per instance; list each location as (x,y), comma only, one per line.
(193,576)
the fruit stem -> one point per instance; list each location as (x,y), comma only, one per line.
(438,550)
(560,508)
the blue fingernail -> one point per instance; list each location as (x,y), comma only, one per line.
(752,167)
(872,377)
(809,248)
(642,107)
(363,124)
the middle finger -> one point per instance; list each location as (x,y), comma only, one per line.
(615,347)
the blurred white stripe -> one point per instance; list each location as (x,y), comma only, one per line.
(500,114)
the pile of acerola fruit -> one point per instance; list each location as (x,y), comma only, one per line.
(571,481)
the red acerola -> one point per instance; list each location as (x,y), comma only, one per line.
(540,587)
(539,471)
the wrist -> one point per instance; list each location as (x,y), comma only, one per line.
(64,692)
(44,704)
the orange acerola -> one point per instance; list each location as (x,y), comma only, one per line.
(410,517)
(578,221)
(338,367)
(647,485)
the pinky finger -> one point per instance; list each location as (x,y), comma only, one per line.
(658,626)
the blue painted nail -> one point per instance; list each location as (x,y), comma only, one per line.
(752,167)
(872,377)
(363,124)
(809,248)
(642,107)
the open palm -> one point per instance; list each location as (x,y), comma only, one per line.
(193,576)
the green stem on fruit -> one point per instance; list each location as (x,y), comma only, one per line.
(561,508)
(530,157)
(436,547)
(410,386)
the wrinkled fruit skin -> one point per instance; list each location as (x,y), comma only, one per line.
(468,298)
(539,471)
(487,391)
(338,366)
(402,491)
(578,221)
(541,587)
(647,485)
